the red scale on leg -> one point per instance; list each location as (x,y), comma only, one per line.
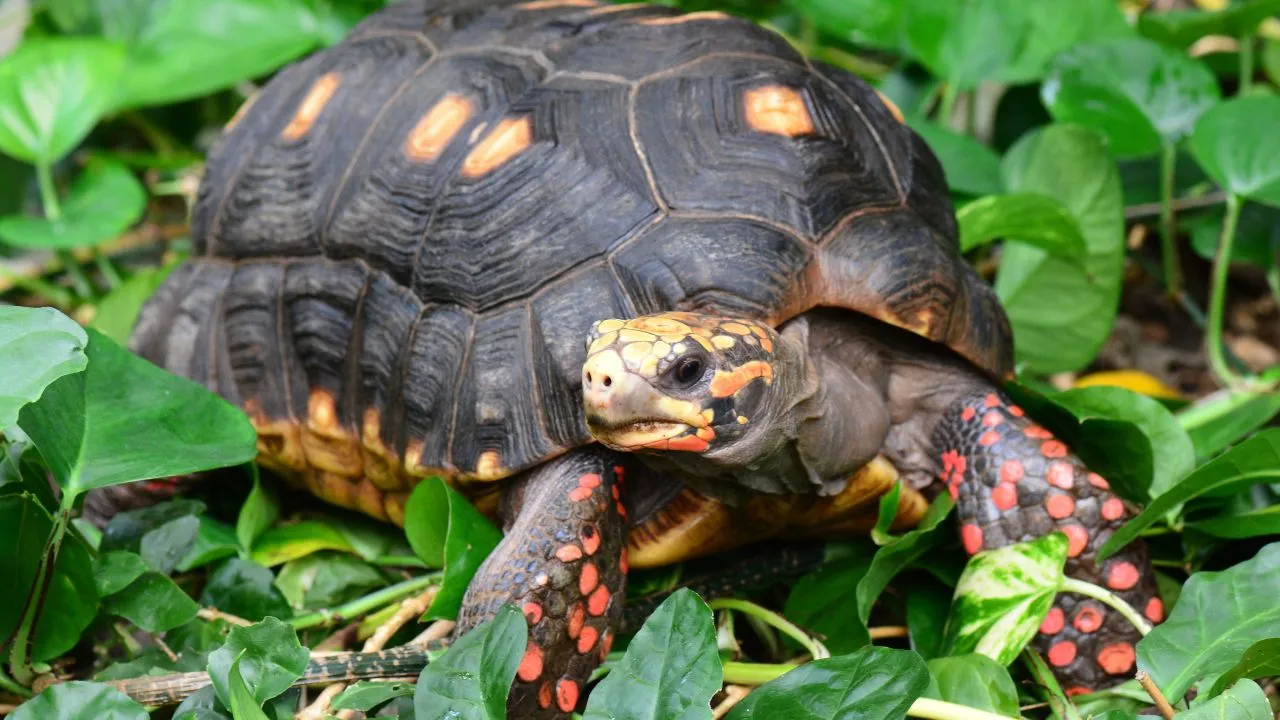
(1062,653)
(1121,575)
(544,695)
(992,418)
(587,639)
(589,578)
(577,618)
(968,414)
(1036,432)
(1061,475)
(1088,620)
(991,400)
(1096,480)
(532,612)
(1011,471)
(590,539)
(623,564)
(569,553)
(989,438)
(1117,658)
(1053,622)
(1004,496)
(598,602)
(566,694)
(1113,509)
(1059,506)
(971,535)
(531,665)
(1154,610)
(1077,538)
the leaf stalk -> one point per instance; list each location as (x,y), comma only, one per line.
(1109,599)
(816,650)
(1168,229)
(362,605)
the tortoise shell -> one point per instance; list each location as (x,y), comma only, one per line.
(401,242)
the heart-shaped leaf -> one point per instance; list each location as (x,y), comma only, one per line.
(325,579)
(37,346)
(365,696)
(282,543)
(447,531)
(270,657)
(77,700)
(52,93)
(258,512)
(1181,28)
(819,600)
(1036,220)
(244,706)
(670,670)
(874,683)
(897,555)
(1218,616)
(1261,660)
(974,681)
(471,680)
(971,167)
(1138,94)
(1243,701)
(105,200)
(1070,164)
(152,602)
(964,41)
(245,589)
(124,419)
(1003,596)
(1236,146)
(116,569)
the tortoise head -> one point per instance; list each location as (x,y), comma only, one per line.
(685,383)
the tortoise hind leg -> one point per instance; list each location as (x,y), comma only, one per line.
(563,561)
(1013,481)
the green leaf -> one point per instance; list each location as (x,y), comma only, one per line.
(326,578)
(1181,28)
(258,512)
(125,419)
(970,166)
(71,600)
(874,683)
(116,569)
(214,541)
(1070,164)
(888,512)
(471,680)
(164,547)
(1212,435)
(242,702)
(975,681)
(37,346)
(1255,460)
(447,531)
(1003,596)
(126,529)
(671,668)
(118,311)
(896,556)
(270,658)
(1218,616)
(965,41)
(78,700)
(1261,660)
(365,696)
(181,49)
(105,200)
(245,589)
(1053,27)
(52,93)
(282,543)
(927,604)
(1257,238)
(1036,220)
(1244,701)
(152,602)
(875,23)
(819,601)
(1234,144)
(1257,523)
(1137,94)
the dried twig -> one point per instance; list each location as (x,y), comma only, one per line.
(1162,704)
(212,614)
(888,631)
(733,694)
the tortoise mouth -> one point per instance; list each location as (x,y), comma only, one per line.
(635,434)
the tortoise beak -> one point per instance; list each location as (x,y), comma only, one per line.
(625,412)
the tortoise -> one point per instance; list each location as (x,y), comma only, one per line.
(643,284)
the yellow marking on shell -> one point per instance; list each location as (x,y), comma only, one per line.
(759,332)
(279,441)
(777,109)
(742,420)
(724,342)
(635,352)
(489,466)
(602,342)
(767,344)
(312,105)
(393,505)
(509,138)
(610,325)
(320,410)
(687,17)
(381,465)
(891,106)
(242,111)
(736,328)
(438,126)
(327,445)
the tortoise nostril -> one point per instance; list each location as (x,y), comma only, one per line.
(588,378)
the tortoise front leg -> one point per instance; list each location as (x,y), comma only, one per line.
(563,561)
(1013,481)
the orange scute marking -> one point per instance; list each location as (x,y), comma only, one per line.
(589,578)
(1077,539)
(778,110)
(1011,471)
(1061,475)
(312,105)
(729,383)
(1004,496)
(438,127)
(1088,619)
(577,617)
(568,553)
(1053,449)
(971,535)
(587,639)
(1116,658)
(1062,653)
(1060,506)
(1122,575)
(992,418)
(1053,622)
(989,438)
(1154,610)
(508,138)
(991,400)
(1096,480)
(599,601)
(967,414)
(531,665)
(566,694)
(532,612)
(1113,509)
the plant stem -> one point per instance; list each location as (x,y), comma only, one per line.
(1218,296)
(939,710)
(1107,598)
(359,606)
(108,270)
(20,654)
(8,685)
(742,673)
(815,649)
(38,286)
(48,193)
(1246,64)
(1168,231)
(947,105)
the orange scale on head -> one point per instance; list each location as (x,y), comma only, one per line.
(1011,471)
(590,480)
(992,418)
(967,414)
(579,494)
(991,400)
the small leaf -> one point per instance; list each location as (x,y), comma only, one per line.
(365,696)
(270,659)
(1256,460)
(105,200)
(1244,701)
(1257,523)
(118,311)
(896,556)
(115,570)
(1003,596)
(52,93)
(1234,144)
(1036,220)
(245,589)
(327,578)
(888,512)
(214,541)
(1181,28)
(970,166)
(1261,660)
(125,419)
(974,681)
(282,543)
(873,683)
(1219,430)
(37,346)
(152,602)
(471,680)
(164,547)
(1218,616)
(125,530)
(243,705)
(927,604)
(819,601)
(671,668)
(78,700)
(258,512)
(965,41)
(447,531)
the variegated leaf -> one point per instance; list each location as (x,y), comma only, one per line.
(1003,596)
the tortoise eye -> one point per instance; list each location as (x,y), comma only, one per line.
(688,370)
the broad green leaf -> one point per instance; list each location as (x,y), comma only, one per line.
(1181,28)
(282,543)
(105,200)
(1212,431)
(875,23)
(244,706)
(1003,596)
(1137,94)
(124,419)
(447,531)
(1218,616)
(964,41)
(325,579)
(1036,220)
(975,681)
(1257,239)
(152,602)
(1235,145)
(471,680)
(116,569)
(245,589)
(202,704)
(181,49)
(896,556)
(72,599)
(52,93)
(927,604)
(164,547)
(819,601)
(1243,701)
(365,696)
(671,668)
(37,346)
(1070,164)
(873,683)
(888,512)
(1257,523)
(1261,660)
(270,657)
(1053,27)
(118,311)
(258,512)
(77,700)
(214,541)
(970,166)
(1256,460)
(126,529)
